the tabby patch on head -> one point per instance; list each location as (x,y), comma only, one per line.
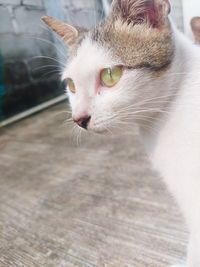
(139,32)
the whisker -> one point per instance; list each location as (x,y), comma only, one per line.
(55,36)
(48,42)
(64,111)
(48,66)
(51,58)
(51,72)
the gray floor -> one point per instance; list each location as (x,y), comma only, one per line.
(93,204)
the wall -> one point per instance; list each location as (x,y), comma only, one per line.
(83,12)
(2,89)
(23,39)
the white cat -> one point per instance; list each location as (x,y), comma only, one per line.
(136,67)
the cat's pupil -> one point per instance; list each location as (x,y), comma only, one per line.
(110,73)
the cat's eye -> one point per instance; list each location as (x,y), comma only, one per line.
(71,85)
(109,77)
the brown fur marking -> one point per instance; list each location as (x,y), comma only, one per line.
(137,31)
(139,45)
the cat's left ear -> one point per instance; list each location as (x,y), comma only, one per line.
(154,12)
(67,32)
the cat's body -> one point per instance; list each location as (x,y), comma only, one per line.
(173,144)
(137,67)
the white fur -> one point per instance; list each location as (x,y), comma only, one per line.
(175,152)
(172,137)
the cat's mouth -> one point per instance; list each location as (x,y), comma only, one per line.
(98,130)
(99,126)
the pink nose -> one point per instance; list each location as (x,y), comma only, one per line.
(83,121)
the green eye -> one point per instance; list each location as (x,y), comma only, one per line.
(71,85)
(111,76)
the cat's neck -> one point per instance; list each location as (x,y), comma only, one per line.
(185,65)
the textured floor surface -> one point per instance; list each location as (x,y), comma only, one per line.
(96,204)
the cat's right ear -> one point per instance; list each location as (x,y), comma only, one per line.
(153,12)
(67,32)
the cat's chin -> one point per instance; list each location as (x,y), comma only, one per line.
(105,131)
(99,130)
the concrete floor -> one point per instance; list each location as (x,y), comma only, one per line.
(96,204)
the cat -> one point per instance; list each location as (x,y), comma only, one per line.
(195,25)
(136,67)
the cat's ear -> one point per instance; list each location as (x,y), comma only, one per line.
(67,32)
(154,12)
(195,24)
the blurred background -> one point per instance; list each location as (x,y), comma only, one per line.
(32,57)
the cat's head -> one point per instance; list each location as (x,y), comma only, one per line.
(113,66)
